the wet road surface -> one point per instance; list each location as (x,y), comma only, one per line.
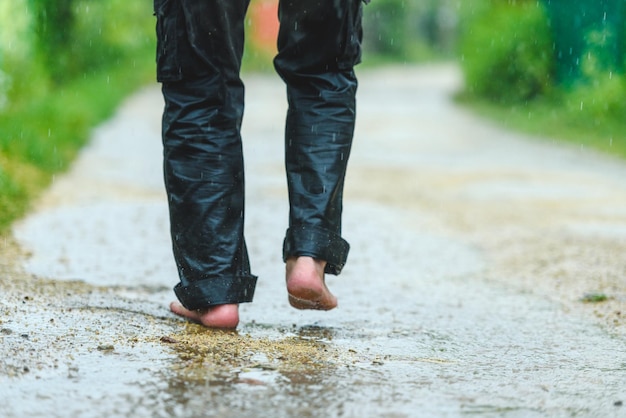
(471,250)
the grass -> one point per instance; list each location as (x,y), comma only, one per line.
(41,137)
(561,117)
(511,76)
(594,298)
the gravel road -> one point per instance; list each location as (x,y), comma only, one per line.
(487,276)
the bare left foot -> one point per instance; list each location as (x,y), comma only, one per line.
(306,286)
(219,316)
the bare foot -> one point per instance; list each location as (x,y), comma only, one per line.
(306,286)
(219,316)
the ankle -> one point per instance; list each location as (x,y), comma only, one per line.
(305,264)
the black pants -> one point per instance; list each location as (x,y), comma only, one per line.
(200,46)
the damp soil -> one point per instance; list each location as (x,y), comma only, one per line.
(486,276)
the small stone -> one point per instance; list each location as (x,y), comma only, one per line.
(618,403)
(106,347)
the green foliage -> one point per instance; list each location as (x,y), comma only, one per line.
(587,26)
(54,87)
(43,137)
(598,101)
(48,131)
(509,54)
(506,52)
(53,27)
(75,36)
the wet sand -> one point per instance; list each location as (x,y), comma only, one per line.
(473,250)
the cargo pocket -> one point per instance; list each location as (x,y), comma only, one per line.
(169,20)
(352,35)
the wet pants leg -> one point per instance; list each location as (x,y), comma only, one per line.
(200,45)
(199,50)
(318,46)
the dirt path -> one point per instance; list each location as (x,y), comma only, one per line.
(472,249)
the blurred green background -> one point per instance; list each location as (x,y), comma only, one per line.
(65,65)
(554,68)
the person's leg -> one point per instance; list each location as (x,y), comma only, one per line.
(200,44)
(318,46)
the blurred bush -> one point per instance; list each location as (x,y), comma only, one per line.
(561,62)
(46,43)
(599,101)
(506,50)
(514,50)
(580,27)
(64,67)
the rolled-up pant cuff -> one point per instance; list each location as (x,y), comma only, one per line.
(318,243)
(216,291)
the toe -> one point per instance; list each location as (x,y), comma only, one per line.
(180,310)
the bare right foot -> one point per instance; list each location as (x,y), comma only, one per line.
(306,286)
(218,316)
